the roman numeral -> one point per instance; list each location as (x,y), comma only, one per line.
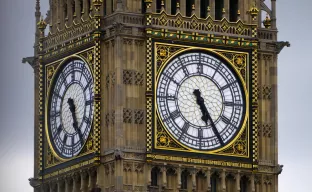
(89,102)
(88,84)
(200,133)
(171,79)
(55,114)
(87,120)
(184,129)
(57,95)
(64,79)
(183,67)
(227,103)
(225,119)
(228,85)
(175,114)
(200,65)
(216,70)
(168,97)
(65,139)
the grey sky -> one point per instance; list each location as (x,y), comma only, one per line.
(16,94)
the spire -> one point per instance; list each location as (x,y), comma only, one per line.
(37,13)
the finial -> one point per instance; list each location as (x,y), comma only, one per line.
(148,4)
(223,12)
(97,3)
(267,22)
(238,14)
(193,9)
(253,11)
(208,11)
(178,7)
(162,5)
(42,24)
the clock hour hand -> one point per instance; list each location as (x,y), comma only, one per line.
(72,108)
(206,116)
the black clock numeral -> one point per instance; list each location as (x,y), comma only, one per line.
(56,94)
(89,102)
(65,139)
(73,72)
(87,120)
(225,119)
(171,79)
(184,129)
(227,103)
(185,71)
(55,114)
(88,85)
(217,69)
(200,133)
(81,139)
(168,97)
(58,131)
(228,85)
(175,114)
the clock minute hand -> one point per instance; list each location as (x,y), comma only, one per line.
(206,116)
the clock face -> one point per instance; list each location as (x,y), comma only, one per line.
(200,101)
(70,111)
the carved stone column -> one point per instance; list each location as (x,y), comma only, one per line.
(83,182)
(179,177)
(237,178)
(68,184)
(193,173)
(76,179)
(208,175)
(252,181)
(223,184)
(163,170)
(60,184)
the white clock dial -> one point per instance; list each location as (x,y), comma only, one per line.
(200,101)
(71,108)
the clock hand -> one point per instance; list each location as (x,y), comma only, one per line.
(72,108)
(206,116)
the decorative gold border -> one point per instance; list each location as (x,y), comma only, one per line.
(198,161)
(62,62)
(244,81)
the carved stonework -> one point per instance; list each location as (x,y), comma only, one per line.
(138,116)
(132,77)
(266,92)
(267,129)
(127,115)
(127,167)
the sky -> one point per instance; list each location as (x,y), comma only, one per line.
(17,94)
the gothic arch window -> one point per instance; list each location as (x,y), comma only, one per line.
(81,6)
(243,184)
(158,6)
(188,7)
(219,5)
(89,6)
(184,176)
(200,181)
(143,9)
(230,181)
(74,7)
(154,176)
(233,10)
(173,7)
(203,8)
(65,10)
(213,182)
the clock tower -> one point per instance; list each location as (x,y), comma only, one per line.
(156,95)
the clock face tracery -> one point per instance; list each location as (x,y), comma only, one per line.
(70,111)
(200,101)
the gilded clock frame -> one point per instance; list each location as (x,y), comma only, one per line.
(91,145)
(247,134)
